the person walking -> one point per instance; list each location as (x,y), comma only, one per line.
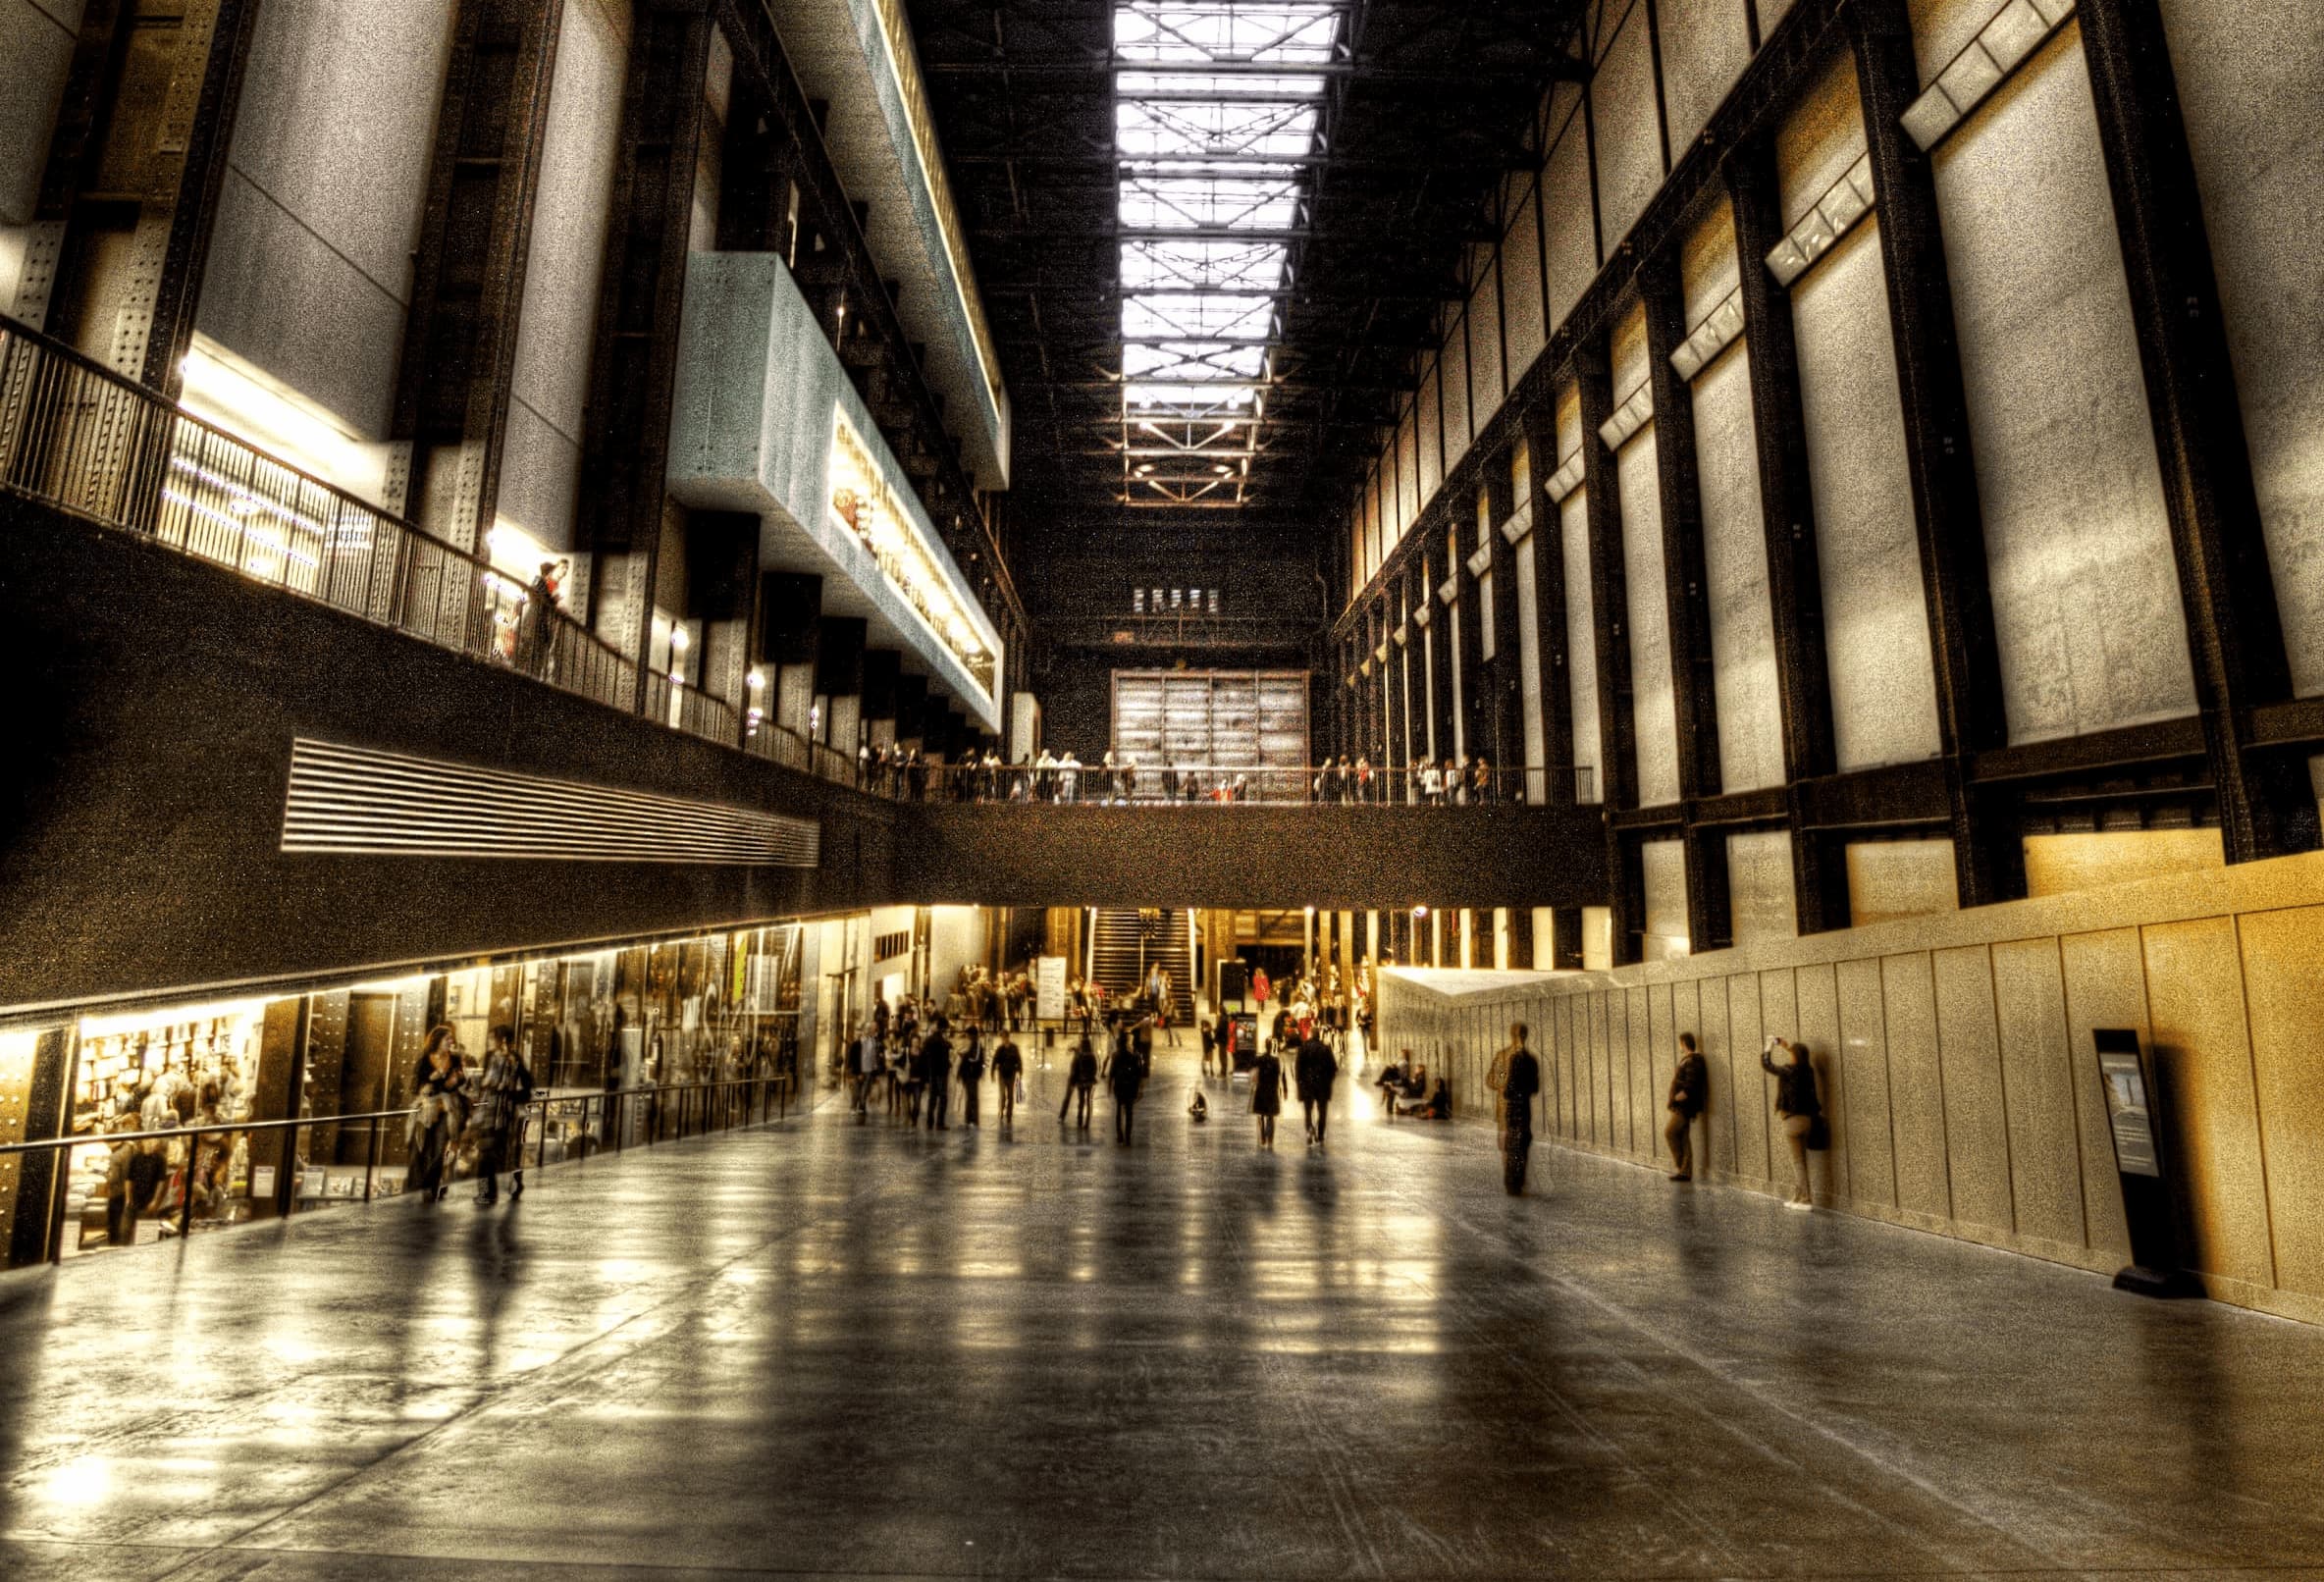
(1690,1088)
(1266,1096)
(1798,1108)
(1125,1076)
(503,1091)
(1316,1071)
(1081,1080)
(438,1113)
(935,1075)
(972,1078)
(867,1061)
(1008,1068)
(1516,1076)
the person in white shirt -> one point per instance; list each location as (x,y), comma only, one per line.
(1069,775)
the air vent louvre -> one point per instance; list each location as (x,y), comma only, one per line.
(358,800)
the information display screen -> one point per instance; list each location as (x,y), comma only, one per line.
(1048,988)
(2129,1113)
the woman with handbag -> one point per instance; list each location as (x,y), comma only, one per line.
(438,1113)
(1799,1110)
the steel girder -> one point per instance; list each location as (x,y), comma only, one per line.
(1428,108)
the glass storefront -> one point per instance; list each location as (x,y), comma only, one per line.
(343,1063)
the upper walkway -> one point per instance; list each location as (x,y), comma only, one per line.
(831,1348)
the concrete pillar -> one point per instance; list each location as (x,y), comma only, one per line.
(790,633)
(839,681)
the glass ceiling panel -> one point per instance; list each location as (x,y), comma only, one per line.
(1229,266)
(1179,360)
(1204,202)
(1150,130)
(1197,318)
(1188,400)
(1209,137)
(1155,30)
(1217,86)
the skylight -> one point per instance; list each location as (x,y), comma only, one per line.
(1214,120)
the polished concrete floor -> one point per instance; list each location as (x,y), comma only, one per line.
(826,1349)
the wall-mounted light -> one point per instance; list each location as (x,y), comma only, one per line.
(754,680)
(1634,413)
(1834,215)
(2001,46)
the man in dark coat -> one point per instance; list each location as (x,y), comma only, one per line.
(1315,1071)
(1516,1077)
(1125,1074)
(935,1074)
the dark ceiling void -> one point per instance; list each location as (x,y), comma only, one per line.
(1215,236)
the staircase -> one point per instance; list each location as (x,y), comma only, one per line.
(1117,964)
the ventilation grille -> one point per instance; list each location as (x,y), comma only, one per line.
(354,800)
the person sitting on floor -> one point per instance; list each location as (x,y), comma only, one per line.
(1415,1083)
(1439,1103)
(1392,1082)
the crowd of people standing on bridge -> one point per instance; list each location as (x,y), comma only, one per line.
(910,773)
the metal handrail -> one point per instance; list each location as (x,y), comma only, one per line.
(109,1139)
(1196,784)
(699,1109)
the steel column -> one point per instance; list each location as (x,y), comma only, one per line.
(2267,805)
(1988,859)
(1787,516)
(459,340)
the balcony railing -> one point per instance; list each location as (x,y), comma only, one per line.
(1204,784)
(76,436)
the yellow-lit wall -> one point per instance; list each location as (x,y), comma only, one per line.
(1956,1069)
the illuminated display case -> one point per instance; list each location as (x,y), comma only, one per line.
(863,503)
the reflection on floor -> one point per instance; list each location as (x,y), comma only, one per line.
(831,1348)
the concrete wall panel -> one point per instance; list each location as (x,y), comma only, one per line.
(1754,1114)
(1735,563)
(2203,1056)
(1705,44)
(1708,267)
(1572,240)
(1652,699)
(2105,987)
(1637,1099)
(2252,86)
(1581,653)
(1822,137)
(1431,410)
(1760,904)
(1485,386)
(1711,1026)
(1664,865)
(2037,1066)
(550,381)
(1900,878)
(1916,1085)
(1864,1058)
(310,265)
(1524,314)
(1817,992)
(1622,103)
(1529,674)
(1883,688)
(1452,383)
(36,40)
(2085,589)
(2281,950)
(1977,1113)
